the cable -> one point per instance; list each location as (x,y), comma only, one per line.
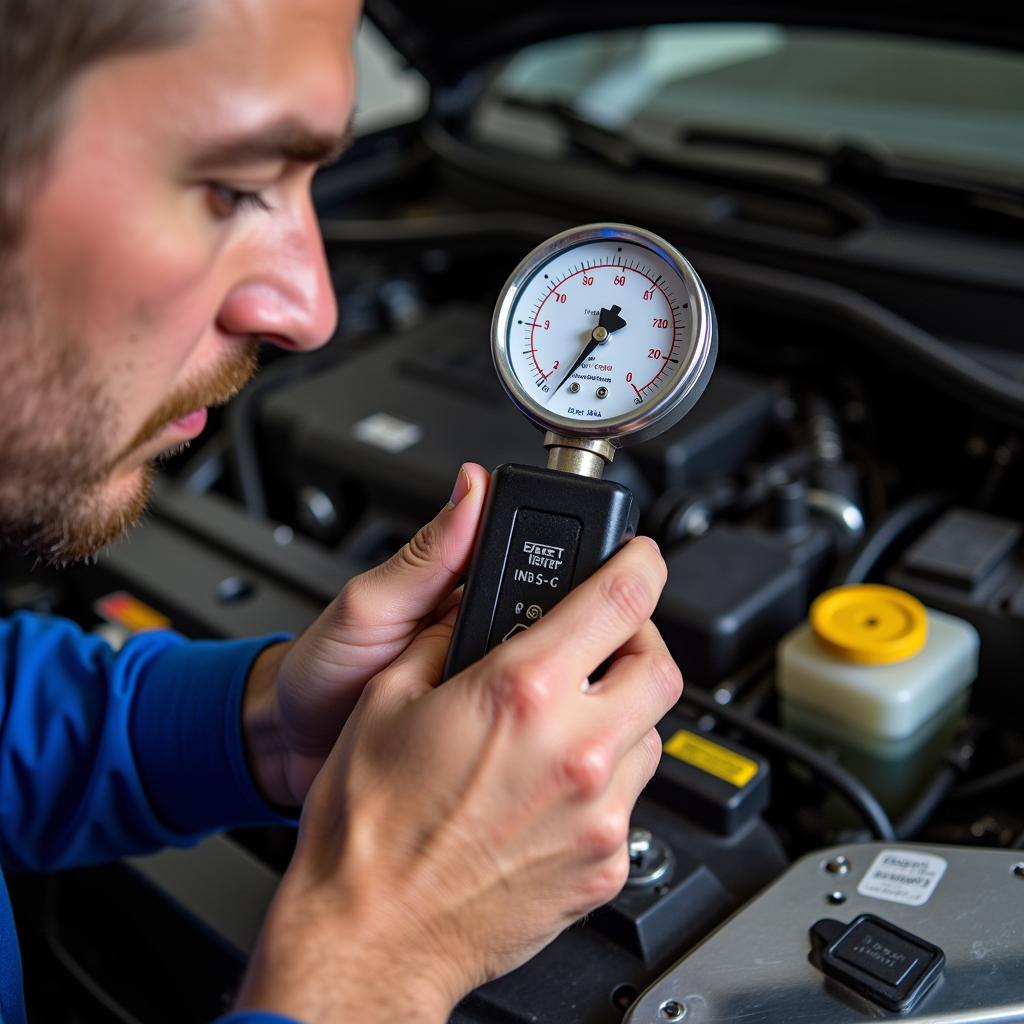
(918,815)
(885,533)
(987,783)
(859,797)
(957,761)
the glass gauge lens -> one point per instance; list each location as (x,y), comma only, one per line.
(604,331)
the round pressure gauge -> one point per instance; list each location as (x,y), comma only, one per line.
(604,332)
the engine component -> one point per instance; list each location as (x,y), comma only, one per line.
(718,783)
(723,430)
(719,789)
(915,902)
(665,887)
(882,679)
(882,963)
(735,591)
(972,565)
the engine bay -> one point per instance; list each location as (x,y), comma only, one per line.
(862,427)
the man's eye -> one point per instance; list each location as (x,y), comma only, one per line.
(227,200)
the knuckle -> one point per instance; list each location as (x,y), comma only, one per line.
(606,880)
(524,689)
(353,591)
(606,834)
(665,674)
(355,599)
(421,549)
(376,690)
(628,593)
(587,770)
(652,750)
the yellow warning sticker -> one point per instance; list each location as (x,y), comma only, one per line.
(125,610)
(709,757)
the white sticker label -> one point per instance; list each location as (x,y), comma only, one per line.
(903,876)
(387,432)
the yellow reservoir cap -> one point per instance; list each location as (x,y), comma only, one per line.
(869,624)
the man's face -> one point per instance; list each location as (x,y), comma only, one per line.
(174,231)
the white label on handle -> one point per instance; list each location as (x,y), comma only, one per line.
(903,876)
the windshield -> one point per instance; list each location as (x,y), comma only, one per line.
(947,103)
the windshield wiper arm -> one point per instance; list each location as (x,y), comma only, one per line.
(624,153)
(854,165)
(594,139)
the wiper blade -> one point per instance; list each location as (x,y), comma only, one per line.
(866,168)
(846,165)
(626,152)
(593,139)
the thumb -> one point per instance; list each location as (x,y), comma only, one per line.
(410,585)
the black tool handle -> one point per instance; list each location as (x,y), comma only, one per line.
(543,532)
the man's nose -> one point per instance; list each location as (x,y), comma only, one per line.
(284,293)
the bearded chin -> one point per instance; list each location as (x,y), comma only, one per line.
(77,527)
(65,491)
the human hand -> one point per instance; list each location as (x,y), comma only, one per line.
(300,694)
(455,831)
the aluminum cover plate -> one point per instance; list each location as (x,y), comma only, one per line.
(755,970)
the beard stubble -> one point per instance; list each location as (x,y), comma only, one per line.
(58,420)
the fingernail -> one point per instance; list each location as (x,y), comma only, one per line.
(651,541)
(462,486)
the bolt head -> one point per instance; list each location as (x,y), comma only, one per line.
(1018,870)
(671,1010)
(639,842)
(838,866)
(836,898)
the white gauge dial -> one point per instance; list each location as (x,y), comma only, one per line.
(601,329)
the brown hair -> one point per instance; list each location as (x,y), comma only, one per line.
(44,46)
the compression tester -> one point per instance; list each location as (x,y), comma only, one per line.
(603,336)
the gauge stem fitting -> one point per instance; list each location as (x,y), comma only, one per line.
(580,455)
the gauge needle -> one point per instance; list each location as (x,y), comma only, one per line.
(607,324)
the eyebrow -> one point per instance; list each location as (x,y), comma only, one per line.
(287,139)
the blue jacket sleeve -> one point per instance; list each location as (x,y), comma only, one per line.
(106,754)
(254,1017)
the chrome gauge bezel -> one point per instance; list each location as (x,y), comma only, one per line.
(673,402)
